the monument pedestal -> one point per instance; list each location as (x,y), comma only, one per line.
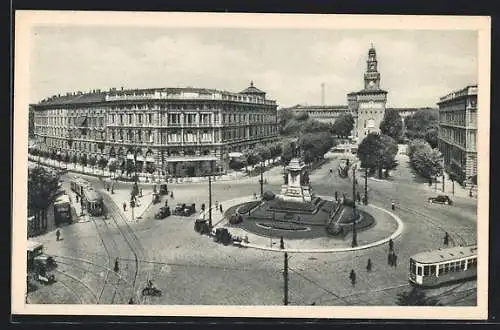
(296,187)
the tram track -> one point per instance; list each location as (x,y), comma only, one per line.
(90,297)
(96,274)
(131,240)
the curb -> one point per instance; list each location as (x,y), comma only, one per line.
(393,236)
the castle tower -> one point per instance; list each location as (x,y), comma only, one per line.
(368,105)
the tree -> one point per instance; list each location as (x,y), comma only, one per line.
(315,145)
(392,125)
(150,167)
(92,161)
(287,152)
(426,162)
(343,125)
(74,159)
(302,116)
(292,127)
(112,167)
(102,164)
(377,152)
(253,158)
(236,164)
(42,186)
(415,297)
(284,116)
(130,167)
(66,158)
(313,125)
(83,161)
(423,124)
(31,122)
(264,153)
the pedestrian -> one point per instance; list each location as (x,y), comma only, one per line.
(171,194)
(353,277)
(393,206)
(394,259)
(141,192)
(77,198)
(369,265)
(220,208)
(391,245)
(124,206)
(446,239)
(254,195)
(117,266)
(282,243)
(58,234)
(389,259)
(336,196)
(358,196)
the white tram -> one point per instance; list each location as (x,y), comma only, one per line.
(92,201)
(78,185)
(428,269)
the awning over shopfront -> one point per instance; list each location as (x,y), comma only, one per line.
(235,154)
(190,159)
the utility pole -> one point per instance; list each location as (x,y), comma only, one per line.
(261,181)
(443,181)
(366,185)
(210,203)
(285,277)
(354,233)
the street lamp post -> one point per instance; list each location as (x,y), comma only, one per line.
(261,181)
(366,185)
(354,233)
(210,203)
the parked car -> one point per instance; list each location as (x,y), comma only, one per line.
(163,212)
(184,209)
(441,199)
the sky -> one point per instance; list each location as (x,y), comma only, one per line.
(416,66)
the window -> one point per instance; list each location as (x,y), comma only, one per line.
(419,270)
(150,118)
(130,119)
(426,270)
(433,270)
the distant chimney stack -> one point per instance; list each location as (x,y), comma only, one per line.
(322,93)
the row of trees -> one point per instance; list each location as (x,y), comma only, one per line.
(423,124)
(92,161)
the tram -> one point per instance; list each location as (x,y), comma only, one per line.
(62,210)
(92,201)
(78,185)
(433,268)
(34,249)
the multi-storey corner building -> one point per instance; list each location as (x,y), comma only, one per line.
(182,131)
(458,131)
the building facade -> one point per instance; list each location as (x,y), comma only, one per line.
(458,132)
(177,131)
(322,113)
(368,105)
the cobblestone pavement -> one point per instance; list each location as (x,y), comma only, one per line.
(192,269)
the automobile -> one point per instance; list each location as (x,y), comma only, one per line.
(163,212)
(179,208)
(441,199)
(184,209)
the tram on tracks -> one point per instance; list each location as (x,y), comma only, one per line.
(91,200)
(433,268)
(62,210)
(34,249)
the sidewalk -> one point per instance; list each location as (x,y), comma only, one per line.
(121,196)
